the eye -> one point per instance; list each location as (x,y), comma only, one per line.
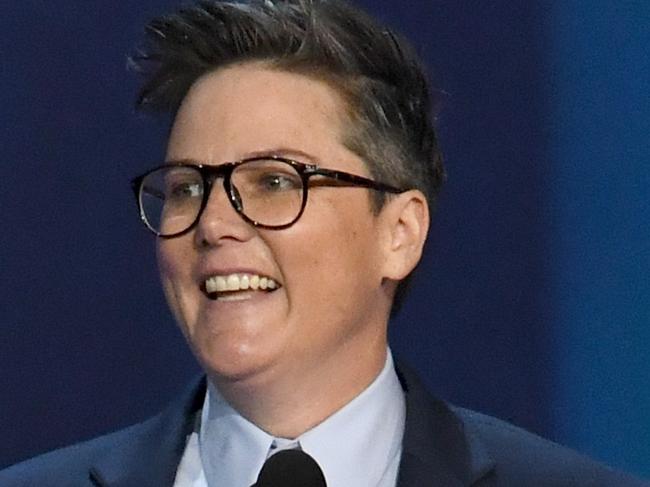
(183,190)
(265,177)
(276,182)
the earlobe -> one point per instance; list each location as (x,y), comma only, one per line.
(407,227)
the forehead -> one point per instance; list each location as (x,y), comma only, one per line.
(231,112)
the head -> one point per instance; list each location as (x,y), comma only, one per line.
(324,82)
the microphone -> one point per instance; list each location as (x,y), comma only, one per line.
(290,468)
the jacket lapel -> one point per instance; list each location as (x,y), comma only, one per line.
(436,450)
(149,455)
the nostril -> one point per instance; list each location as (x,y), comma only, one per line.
(204,243)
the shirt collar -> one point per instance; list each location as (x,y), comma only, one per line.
(232,449)
(355,446)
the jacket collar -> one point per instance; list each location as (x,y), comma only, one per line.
(436,450)
(148,454)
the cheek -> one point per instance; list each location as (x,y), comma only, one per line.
(174,268)
(165,263)
(172,259)
(333,259)
(168,277)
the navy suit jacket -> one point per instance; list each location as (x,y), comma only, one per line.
(443,446)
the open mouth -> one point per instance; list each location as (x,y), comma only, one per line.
(237,285)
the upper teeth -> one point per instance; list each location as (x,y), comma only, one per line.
(239,282)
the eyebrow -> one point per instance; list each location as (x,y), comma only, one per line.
(289,153)
(174,162)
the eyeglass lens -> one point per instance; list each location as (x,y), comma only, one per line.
(265,191)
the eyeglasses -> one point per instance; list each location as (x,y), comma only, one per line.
(267,192)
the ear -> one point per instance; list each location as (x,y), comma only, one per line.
(406,226)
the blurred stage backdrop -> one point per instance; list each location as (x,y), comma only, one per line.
(533,300)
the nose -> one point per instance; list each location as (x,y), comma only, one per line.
(219,221)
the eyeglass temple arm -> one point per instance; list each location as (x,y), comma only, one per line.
(354,180)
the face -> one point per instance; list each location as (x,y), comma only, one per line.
(329,309)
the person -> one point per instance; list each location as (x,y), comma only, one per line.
(301,171)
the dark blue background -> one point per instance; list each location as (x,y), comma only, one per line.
(533,300)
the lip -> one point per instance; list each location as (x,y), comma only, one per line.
(239,300)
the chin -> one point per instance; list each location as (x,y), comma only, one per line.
(226,361)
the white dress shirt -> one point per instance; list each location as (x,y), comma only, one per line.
(360,445)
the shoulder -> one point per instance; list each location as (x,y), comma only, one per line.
(72,465)
(520,455)
(475,449)
(146,453)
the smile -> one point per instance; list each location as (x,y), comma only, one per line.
(217,286)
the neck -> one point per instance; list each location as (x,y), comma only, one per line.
(311,395)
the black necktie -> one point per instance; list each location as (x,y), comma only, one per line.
(290,468)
